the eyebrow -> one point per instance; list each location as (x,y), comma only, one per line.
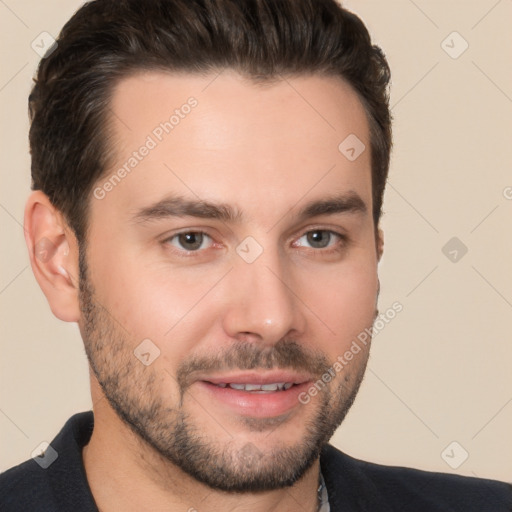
(342,203)
(177,206)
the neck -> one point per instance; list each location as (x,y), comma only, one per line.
(125,473)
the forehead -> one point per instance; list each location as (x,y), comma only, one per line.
(224,138)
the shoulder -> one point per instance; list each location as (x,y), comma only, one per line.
(56,478)
(24,485)
(410,489)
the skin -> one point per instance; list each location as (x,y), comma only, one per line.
(267,152)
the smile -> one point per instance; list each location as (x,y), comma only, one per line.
(258,388)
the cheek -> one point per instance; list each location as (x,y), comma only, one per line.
(345,300)
(152,301)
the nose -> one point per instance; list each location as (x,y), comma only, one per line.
(264,307)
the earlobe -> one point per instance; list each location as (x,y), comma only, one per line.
(53,253)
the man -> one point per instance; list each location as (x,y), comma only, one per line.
(208,181)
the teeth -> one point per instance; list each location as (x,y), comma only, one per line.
(275,386)
(254,387)
(271,387)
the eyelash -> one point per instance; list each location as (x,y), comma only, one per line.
(335,247)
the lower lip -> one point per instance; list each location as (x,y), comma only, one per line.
(254,404)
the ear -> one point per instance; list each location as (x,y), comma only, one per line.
(380,243)
(53,252)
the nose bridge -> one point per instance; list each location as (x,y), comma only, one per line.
(264,305)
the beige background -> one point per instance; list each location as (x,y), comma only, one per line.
(441,370)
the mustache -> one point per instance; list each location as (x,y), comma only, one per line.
(286,354)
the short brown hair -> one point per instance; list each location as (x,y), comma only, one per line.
(107,40)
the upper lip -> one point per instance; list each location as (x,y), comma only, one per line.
(257,377)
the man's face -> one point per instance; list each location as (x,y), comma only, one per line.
(236,257)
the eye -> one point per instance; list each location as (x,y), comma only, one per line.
(320,238)
(190,240)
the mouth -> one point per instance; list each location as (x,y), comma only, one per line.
(256,394)
(257,388)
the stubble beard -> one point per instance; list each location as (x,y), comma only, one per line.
(133,392)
